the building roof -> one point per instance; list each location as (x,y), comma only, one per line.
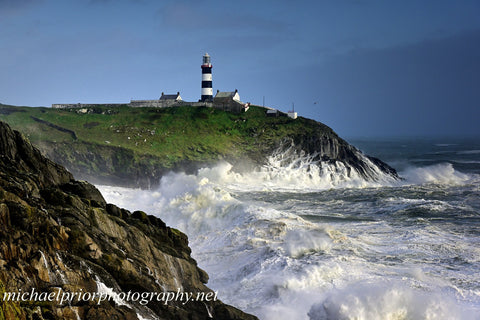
(227,95)
(171,96)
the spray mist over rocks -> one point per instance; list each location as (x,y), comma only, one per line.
(301,238)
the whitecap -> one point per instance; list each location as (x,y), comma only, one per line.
(469,152)
(443,173)
(368,300)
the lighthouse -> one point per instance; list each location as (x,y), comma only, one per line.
(207,91)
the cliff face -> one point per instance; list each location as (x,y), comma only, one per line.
(105,164)
(322,146)
(118,165)
(59,236)
(134,147)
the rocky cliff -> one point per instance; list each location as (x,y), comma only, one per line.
(59,237)
(134,147)
(322,146)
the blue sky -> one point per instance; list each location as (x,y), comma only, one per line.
(363,67)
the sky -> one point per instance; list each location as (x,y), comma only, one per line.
(366,68)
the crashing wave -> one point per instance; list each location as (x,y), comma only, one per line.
(289,168)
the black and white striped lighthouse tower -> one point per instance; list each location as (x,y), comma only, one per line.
(207,91)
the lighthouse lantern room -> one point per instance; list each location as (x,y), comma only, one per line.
(207,91)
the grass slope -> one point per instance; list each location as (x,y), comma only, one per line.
(168,135)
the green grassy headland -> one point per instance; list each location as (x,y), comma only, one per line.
(161,137)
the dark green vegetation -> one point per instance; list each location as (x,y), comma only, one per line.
(136,146)
(107,140)
(170,134)
(60,234)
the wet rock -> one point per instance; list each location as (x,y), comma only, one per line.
(59,235)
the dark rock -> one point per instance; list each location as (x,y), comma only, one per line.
(140,215)
(114,210)
(322,144)
(19,154)
(85,190)
(59,234)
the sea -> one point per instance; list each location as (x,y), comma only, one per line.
(298,239)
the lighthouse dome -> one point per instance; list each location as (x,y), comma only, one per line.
(206,59)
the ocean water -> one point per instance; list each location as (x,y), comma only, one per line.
(301,240)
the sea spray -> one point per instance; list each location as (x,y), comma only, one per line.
(387,300)
(281,244)
(442,173)
(288,169)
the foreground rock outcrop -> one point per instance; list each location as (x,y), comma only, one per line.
(58,235)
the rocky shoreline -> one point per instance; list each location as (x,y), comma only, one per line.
(59,235)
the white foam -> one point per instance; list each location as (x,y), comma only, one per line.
(388,300)
(278,266)
(264,258)
(285,170)
(105,291)
(289,170)
(299,242)
(443,173)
